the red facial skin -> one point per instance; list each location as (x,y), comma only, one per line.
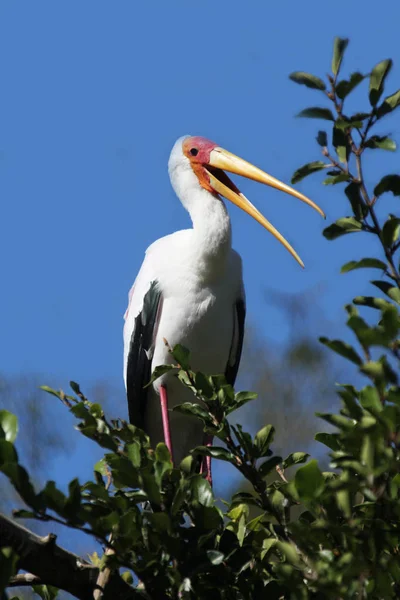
(202,158)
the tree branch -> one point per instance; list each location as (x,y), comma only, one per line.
(53,565)
(24,579)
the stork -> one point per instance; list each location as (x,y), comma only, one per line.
(190,291)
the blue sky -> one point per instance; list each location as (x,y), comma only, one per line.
(95,93)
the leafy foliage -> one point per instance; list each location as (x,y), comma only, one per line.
(315,534)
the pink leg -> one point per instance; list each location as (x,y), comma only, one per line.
(165,419)
(206,462)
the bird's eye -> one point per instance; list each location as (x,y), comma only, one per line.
(194,151)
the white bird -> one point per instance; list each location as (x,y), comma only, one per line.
(190,291)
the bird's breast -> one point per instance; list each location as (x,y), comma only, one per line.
(202,321)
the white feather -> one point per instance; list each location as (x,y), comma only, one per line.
(200,278)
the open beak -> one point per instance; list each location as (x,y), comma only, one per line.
(222,160)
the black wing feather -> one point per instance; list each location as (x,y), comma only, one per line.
(232,369)
(138,369)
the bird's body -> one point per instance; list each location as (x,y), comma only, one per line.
(199,277)
(190,291)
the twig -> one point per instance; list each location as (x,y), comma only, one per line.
(103,578)
(357,151)
(374,218)
(281,473)
(24,579)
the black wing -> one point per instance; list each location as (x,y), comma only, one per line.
(138,368)
(237,342)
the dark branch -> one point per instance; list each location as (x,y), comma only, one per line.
(24,579)
(52,565)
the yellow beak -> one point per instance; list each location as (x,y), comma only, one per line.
(226,161)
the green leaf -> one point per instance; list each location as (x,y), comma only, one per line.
(353,193)
(294,459)
(215,557)
(368,336)
(46,592)
(340,143)
(391,231)
(149,484)
(24,514)
(237,511)
(342,227)
(201,491)
(377,80)
(159,371)
(203,384)
(380,141)
(390,321)
(389,104)
(369,399)
(290,552)
(18,475)
(311,81)
(160,521)
(50,390)
(322,138)
(244,439)
(179,497)
(75,388)
(190,408)
(390,290)
(307,169)
(352,408)
(264,439)
(379,370)
(8,453)
(54,498)
(378,303)
(343,502)
(339,421)
(389,183)
(336,179)
(127,577)
(8,425)
(133,451)
(360,116)
(73,502)
(8,567)
(364,263)
(343,123)
(342,153)
(182,356)
(215,452)
(163,455)
(317,112)
(343,349)
(309,481)
(96,411)
(242,398)
(270,464)
(339,46)
(328,439)
(244,498)
(344,87)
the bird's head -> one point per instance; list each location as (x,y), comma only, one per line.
(208,162)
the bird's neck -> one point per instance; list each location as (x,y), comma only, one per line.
(212,235)
(211,227)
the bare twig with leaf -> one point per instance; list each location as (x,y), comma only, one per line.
(346,158)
